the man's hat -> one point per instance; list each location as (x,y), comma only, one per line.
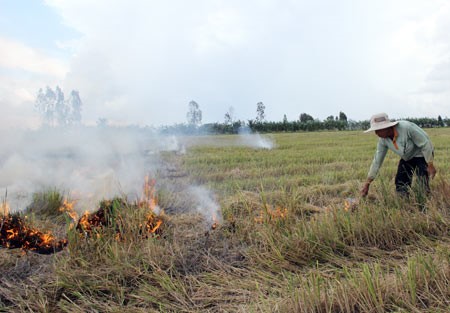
(380,121)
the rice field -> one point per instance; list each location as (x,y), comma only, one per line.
(293,236)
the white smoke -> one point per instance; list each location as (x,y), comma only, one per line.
(206,204)
(87,163)
(90,164)
(254,140)
(168,143)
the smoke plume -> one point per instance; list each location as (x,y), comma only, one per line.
(86,163)
(254,140)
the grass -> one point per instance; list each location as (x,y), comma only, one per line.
(46,203)
(287,243)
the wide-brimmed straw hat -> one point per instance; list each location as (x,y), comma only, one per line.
(380,121)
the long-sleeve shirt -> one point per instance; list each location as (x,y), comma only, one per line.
(409,141)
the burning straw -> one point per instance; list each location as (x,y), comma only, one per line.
(14,233)
(112,215)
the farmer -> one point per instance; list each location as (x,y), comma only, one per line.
(411,143)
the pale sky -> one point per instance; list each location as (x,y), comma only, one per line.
(142,61)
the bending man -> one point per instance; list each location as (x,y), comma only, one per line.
(411,143)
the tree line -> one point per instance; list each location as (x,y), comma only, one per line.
(304,123)
(56,110)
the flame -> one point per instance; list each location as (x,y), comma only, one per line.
(350,204)
(101,217)
(4,208)
(11,233)
(346,205)
(46,238)
(150,201)
(14,233)
(271,214)
(148,197)
(84,220)
(215,223)
(68,207)
(156,227)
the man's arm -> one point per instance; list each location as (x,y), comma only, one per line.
(365,189)
(431,170)
(378,159)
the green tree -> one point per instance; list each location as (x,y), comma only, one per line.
(102,122)
(260,112)
(55,110)
(74,104)
(194,114)
(305,118)
(342,116)
(45,105)
(229,116)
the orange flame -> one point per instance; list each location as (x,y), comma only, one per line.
(14,233)
(350,204)
(11,233)
(215,221)
(68,207)
(4,208)
(271,214)
(46,238)
(156,227)
(150,201)
(84,221)
(346,205)
(148,197)
(99,219)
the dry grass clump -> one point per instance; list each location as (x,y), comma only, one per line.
(24,281)
(420,285)
(47,205)
(156,274)
(304,234)
(441,194)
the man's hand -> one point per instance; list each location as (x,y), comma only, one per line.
(431,170)
(365,189)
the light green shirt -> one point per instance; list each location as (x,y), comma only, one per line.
(411,141)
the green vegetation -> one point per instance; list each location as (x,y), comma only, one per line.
(288,242)
(305,123)
(47,204)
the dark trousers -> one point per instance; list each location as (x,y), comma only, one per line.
(405,173)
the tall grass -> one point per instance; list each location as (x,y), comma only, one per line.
(47,203)
(419,285)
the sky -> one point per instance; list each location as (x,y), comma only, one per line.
(142,61)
